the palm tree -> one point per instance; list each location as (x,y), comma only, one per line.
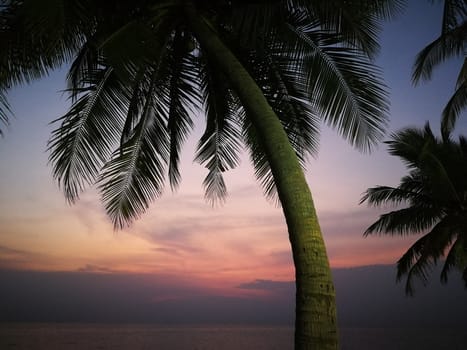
(451,43)
(265,73)
(435,194)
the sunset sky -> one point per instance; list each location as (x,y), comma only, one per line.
(183,241)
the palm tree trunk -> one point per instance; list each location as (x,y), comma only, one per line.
(315,323)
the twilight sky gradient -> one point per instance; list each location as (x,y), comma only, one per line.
(181,240)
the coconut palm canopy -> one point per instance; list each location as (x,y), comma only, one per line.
(451,43)
(137,74)
(435,197)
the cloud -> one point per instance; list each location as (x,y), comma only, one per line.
(95,269)
(208,223)
(210,237)
(345,222)
(283,257)
(267,285)
(15,259)
(10,251)
(169,251)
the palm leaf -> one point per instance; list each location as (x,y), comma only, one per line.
(135,174)
(384,194)
(5,110)
(259,159)
(137,102)
(87,60)
(449,44)
(219,146)
(183,96)
(462,77)
(57,28)
(420,258)
(87,133)
(442,186)
(125,54)
(343,85)
(405,221)
(452,258)
(286,91)
(453,12)
(358,23)
(254,20)
(456,104)
(408,144)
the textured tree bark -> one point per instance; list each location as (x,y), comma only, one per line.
(315,323)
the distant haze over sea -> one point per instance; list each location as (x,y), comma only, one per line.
(367,297)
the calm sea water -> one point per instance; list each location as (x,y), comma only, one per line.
(141,337)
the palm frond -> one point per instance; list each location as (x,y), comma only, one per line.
(343,85)
(420,258)
(349,96)
(454,11)
(286,91)
(40,36)
(255,20)
(452,258)
(183,96)
(5,111)
(219,146)
(379,195)
(138,73)
(87,60)
(462,77)
(441,180)
(421,269)
(385,9)
(358,23)
(133,44)
(409,143)
(58,26)
(451,112)
(135,174)
(413,219)
(260,161)
(137,101)
(449,44)
(87,133)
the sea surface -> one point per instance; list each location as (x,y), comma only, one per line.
(68,336)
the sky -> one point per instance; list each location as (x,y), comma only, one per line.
(182,248)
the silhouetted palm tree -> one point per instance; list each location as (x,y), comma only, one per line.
(265,73)
(434,203)
(452,42)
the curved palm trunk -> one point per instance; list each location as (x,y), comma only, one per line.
(315,323)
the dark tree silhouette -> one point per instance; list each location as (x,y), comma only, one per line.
(435,197)
(451,43)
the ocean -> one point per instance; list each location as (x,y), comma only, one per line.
(68,336)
